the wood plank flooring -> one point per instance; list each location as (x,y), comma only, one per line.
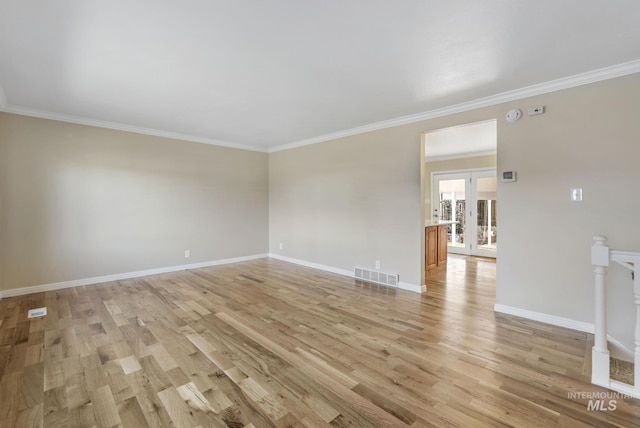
(269,344)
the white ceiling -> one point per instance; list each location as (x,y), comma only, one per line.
(473,139)
(264,74)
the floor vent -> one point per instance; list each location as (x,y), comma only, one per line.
(40,312)
(378,277)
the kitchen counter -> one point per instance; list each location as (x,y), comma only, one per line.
(429,223)
(436,235)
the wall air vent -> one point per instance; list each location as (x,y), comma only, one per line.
(378,277)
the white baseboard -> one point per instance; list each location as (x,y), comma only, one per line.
(120,276)
(617,349)
(623,388)
(545,318)
(225,261)
(128,275)
(410,287)
(312,265)
(402,285)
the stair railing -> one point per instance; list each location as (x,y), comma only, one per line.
(601,255)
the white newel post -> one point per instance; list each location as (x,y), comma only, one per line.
(636,356)
(600,352)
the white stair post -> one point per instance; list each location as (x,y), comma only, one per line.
(636,356)
(600,352)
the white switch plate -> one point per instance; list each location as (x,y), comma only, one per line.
(576,194)
(281,245)
(187,254)
(378,264)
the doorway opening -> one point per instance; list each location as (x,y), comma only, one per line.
(461,186)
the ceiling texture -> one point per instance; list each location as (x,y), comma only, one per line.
(268,75)
(471,139)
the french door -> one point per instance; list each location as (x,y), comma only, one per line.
(470,199)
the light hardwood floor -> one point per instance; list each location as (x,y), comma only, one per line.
(266,343)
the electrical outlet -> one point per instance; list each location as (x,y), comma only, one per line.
(280,246)
(187,254)
(377,264)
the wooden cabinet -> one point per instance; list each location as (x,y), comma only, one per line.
(431,247)
(435,241)
(443,234)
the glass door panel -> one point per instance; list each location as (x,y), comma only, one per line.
(469,199)
(485,221)
(450,196)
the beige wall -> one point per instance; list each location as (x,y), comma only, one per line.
(357,199)
(587,138)
(473,162)
(79,202)
(350,202)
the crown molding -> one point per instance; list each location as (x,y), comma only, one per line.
(517,94)
(122,127)
(460,156)
(586,78)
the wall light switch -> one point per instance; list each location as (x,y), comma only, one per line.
(576,194)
